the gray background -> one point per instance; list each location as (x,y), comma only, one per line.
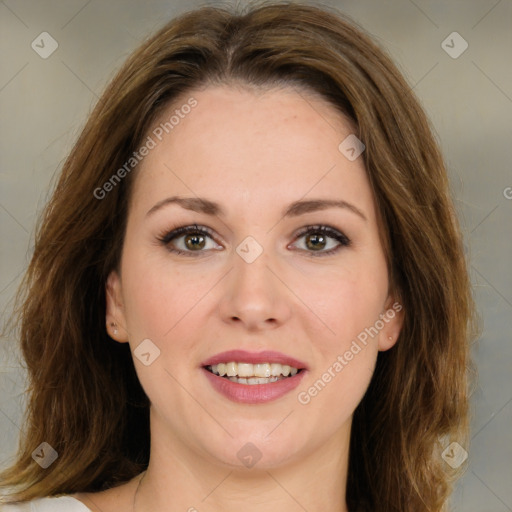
(44,103)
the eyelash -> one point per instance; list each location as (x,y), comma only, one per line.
(166,237)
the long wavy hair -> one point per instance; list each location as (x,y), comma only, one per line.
(84,397)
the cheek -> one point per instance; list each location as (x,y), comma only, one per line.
(350,353)
(336,390)
(346,353)
(346,300)
(147,302)
(161,300)
(152,300)
(359,304)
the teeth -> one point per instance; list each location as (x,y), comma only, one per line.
(262,370)
(231,369)
(255,380)
(260,373)
(275,369)
(245,370)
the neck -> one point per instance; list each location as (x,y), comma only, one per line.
(180,478)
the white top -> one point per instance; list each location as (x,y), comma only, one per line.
(60,504)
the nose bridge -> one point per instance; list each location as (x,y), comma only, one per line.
(251,267)
(255,296)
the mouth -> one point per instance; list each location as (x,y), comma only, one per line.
(253,374)
(253,377)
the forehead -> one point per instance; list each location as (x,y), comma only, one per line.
(248,145)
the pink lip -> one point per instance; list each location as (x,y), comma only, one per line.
(242,356)
(256,393)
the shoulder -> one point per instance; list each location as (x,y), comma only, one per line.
(112,499)
(50,504)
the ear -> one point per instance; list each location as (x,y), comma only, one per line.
(115,316)
(393,318)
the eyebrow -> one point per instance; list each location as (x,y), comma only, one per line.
(203,205)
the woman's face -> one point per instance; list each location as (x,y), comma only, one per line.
(253,281)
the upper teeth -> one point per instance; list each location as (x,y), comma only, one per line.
(233,369)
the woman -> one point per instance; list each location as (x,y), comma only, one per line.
(248,289)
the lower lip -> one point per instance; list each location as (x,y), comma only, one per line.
(253,393)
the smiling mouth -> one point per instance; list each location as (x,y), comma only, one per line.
(247,373)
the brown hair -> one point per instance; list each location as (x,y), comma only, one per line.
(84,396)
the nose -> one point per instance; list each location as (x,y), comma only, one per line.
(255,295)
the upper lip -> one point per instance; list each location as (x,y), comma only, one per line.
(266,356)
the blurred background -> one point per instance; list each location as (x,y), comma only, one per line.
(57,56)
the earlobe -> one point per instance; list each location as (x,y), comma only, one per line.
(115,318)
(385,343)
(392,319)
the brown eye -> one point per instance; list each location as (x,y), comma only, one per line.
(317,238)
(188,240)
(315,241)
(194,242)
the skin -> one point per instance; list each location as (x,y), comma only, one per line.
(254,152)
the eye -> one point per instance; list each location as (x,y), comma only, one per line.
(187,240)
(316,239)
